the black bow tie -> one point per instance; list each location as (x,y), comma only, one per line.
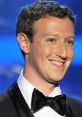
(57,103)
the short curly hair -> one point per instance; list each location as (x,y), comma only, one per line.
(37,10)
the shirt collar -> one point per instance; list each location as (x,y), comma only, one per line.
(27,88)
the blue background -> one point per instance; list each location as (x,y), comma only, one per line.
(11,60)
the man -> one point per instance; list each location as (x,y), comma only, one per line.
(45,33)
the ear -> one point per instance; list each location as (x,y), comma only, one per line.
(24,42)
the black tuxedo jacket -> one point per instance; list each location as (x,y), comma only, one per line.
(12,104)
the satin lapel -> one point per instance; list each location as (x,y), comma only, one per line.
(20,104)
(69,112)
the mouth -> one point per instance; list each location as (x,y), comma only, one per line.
(58,65)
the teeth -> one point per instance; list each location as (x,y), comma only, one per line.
(57,63)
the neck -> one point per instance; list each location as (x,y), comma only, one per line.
(40,83)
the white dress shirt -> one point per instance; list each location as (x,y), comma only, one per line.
(27,88)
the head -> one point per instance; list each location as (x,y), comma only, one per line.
(45,32)
(30,14)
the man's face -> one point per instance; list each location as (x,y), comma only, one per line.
(51,51)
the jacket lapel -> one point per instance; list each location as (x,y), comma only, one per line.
(69,112)
(20,104)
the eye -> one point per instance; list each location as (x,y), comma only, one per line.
(51,39)
(70,42)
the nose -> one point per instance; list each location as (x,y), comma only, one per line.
(61,51)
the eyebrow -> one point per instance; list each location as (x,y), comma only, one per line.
(47,34)
(56,35)
(71,37)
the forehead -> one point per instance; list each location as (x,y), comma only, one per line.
(54,25)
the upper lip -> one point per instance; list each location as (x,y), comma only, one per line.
(57,60)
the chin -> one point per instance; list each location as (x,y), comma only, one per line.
(54,81)
(58,78)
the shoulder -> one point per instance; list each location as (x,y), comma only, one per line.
(75,105)
(6,106)
(5,101)
(4,98)
(74,102)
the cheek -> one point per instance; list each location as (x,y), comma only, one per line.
(71,53)
(43,51)
(40,51)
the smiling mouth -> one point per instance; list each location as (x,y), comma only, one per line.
(58,65)
(57,62)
